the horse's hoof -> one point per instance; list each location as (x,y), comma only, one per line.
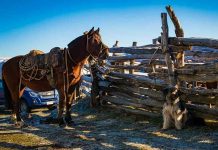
(71,123)
(21,124)
(62,122)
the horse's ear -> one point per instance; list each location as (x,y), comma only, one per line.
(97,31)
(91,31)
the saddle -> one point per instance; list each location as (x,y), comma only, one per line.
(37,64)
(44,60)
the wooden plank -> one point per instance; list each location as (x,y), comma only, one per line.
(131,71)
(165,49)
(130,57)
(142,68)
(199,77)
(120,99)
(178,29)
(137,92)
(95,88)
(209,112)
(200,99)
(179,33)
(202,54)
(180,41)
(199,91)
(195,71)
(147,49)
(143,79)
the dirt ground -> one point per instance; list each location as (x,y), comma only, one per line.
(102,128)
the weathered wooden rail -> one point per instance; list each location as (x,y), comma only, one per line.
(134,82)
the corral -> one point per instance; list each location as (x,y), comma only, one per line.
(133,84)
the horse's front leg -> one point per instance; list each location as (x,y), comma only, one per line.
(69,102)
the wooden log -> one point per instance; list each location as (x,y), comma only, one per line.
(179,41)
(145,101)
(178,29)
(148,49)
(160,75)
(199,77)
(201,66)
(200,99)
(179,33)
(116,44)
(199,91)
(211,113)
(135,111)
(165,49)
(121,100)
(134,44)
(130,57)
(134,91)
(202,54)
(95,101)
(153,62)
(143,79)
(195,71)
(131,71)
(142,68)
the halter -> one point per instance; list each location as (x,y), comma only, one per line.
(87,50)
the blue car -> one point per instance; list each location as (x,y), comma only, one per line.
(32,99)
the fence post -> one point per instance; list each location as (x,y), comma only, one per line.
(95,101)
(165,49)
(132,61)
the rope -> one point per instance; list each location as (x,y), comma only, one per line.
(34,68)
(153,56)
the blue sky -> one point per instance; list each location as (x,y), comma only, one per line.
(44,24)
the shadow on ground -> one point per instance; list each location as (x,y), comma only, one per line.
(102,128)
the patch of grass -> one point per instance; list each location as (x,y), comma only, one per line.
(21,140)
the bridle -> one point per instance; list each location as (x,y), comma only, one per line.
(90,54)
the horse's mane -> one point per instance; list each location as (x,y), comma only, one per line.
(72,43)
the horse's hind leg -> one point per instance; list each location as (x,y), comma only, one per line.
(61,106)
(16,106)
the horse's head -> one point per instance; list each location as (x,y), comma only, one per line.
(94,45)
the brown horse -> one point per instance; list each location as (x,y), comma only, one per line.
(74,57)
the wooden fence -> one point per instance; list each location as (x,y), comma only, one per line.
(134,81)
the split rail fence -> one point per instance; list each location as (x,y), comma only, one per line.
(133,78)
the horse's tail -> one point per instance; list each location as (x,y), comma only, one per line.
(7,94)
